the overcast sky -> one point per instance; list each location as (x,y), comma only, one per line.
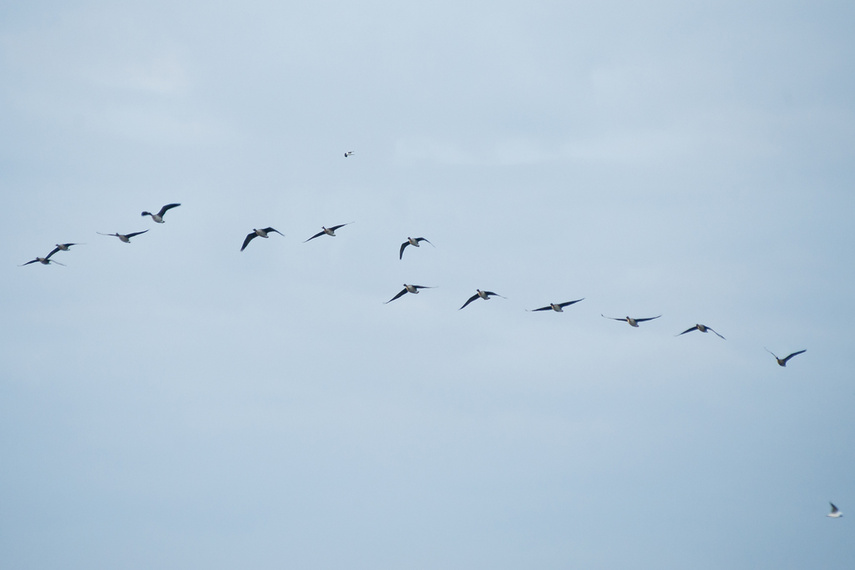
(175,402)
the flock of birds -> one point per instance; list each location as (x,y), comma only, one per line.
(408,288)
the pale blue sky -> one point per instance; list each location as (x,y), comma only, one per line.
(176,403)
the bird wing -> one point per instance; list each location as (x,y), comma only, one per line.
(167,208)
(54,250)
(247,240)
(403,247)
(690,330)
(334,228)
(424,239)
(718,335)
(568,303)
(489,293)
(29,262)
(772,353)
(472,298)
(268,230)
(403,291)
(794,354)
(320,233)
(129,236)
(612,318)
(833,508)
(541,309)
(647,319)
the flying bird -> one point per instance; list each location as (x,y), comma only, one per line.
(702,328)
(783,361)
(328,231)
(61,247)
(43,261)
(414,289)
(124,237)
(258,233)
(835,512)
(557,307)
(632,322)
(413,242)
(482,294)
(348,153)
(158,217)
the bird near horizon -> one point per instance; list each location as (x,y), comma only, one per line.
(633,322)
(783,361)
(328,231)
(413,242)
(702,328)
(557,307)
(480,294)
(124,237)
(258,233)
(158,217)
(414,289)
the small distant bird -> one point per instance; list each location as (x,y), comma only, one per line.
(783,361)
(328,231)
(158,217)
(124,237)
(348,153)
(835,512)
(61,247)
(414,289)
(702,328)
(413,242)
(482,294)
(632,322)
(43,261)
(557,307)
(258,233)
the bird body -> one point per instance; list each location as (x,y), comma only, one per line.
(124,237)
(557,307)
(158,217)
(348,153)
(702,328)
(483,295)
(632,321)
(413,242)
(414,289)
(258,233)
(783,361)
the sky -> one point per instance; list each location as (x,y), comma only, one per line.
(175,402)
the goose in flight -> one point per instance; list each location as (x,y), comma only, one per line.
(258,233)
(61,247)
(348,153)
(328,231)
(413,242)
(482,294)
(632,322)
(783,361)
(557,307)
(124,237)
(414,289)
(43,261)
(835,512)
(702,328)
(158,217)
